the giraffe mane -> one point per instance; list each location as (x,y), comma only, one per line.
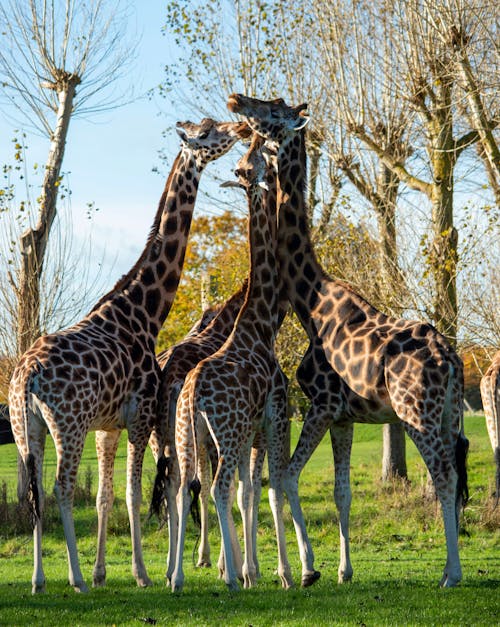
(122,282)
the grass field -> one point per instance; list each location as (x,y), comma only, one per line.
(397,545)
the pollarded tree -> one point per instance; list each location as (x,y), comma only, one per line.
(57,60)
(424,77)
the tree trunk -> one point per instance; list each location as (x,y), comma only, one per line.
(394,446)
(33,243)
(479,118)
(394,456)
(443,255)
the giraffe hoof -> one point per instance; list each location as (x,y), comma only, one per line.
(144,582)
(310,578)
(80,587)
(99,582)
(38,588)
(204,563)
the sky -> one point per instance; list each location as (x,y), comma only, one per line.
(109,159)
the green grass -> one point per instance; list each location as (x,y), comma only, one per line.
(397,547)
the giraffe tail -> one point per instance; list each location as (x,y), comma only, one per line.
(195,489)
(28,488)
(32,493)
(159,488)
(461,450)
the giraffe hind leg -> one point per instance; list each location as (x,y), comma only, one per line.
(67,465)
(445,478)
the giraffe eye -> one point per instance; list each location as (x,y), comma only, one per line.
(203,135)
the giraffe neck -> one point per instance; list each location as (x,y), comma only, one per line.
(272,204)
(223,323)
(260,310)
(303,275)
(147,291)
(320,302)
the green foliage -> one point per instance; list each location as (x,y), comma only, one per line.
(217,251)
(397,543)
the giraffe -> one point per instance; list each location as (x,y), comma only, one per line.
(361,365)
(102,375)
(175,363)
(232,395)
(490,394)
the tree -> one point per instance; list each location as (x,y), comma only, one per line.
(388,114)
(57,60)
(217,249)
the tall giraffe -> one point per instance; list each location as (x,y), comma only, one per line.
(231,395)
(361,365)
(175,363)
(101,374)
(490,394)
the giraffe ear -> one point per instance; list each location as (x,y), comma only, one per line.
(232,184)
(182,134)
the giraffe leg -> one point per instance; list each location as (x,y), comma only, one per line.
(204,477)
(173,517)
(444,477)
(106,445)
(278,444)
(235,545)
(245,503)
(135,455)
(183,505)
(37,447)
(68,460)
(257,457)
(220,493)
(341,437)
(314,428)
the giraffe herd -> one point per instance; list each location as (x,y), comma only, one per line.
(216,402)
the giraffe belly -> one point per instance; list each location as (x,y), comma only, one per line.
(369,410)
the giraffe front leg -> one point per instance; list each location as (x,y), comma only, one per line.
(341,438)
(313,430)
(278,445)
(257,457)
(135,456)
(106,444)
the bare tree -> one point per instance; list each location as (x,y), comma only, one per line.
(57,60)
(470,30)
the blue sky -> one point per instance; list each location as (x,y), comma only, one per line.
(109,159)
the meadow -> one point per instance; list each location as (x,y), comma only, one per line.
(397,550)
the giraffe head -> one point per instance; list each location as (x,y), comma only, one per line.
(273,119)
(251,168)
(209,139)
